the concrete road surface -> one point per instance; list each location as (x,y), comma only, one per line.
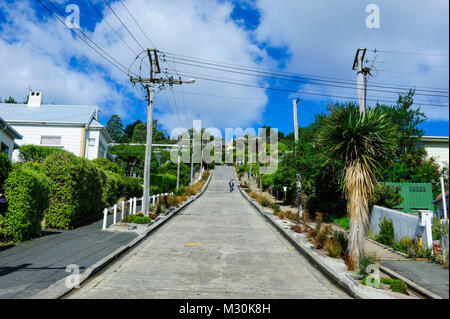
(218,247)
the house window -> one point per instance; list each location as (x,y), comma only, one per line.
(4,148)
(51,140)
(91,141)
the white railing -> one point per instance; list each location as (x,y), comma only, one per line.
(132,207)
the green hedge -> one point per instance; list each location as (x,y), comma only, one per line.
(115,186)
(27,194)
(5,168)
(162,183)
(35,153)
(75,190)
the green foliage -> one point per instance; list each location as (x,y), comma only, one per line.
(386,234)
(399,286)
(344,222)
(386,196)
(107,165)
(75,190)
(130,159)
(364,261)
(139,133)
(136,219)
(333,248)
(35,153)
(5,168)
(114,127)
(27,194)
(341,238)
(403,245)
(162,183)
(276,207)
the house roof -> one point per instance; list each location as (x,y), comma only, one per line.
(439,198)
(9,129)
(47,113)
(434,139)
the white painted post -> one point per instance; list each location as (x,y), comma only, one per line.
(134,205)
(444,200)
(131,207)
(153,200)
(123,208)
(105,215)
(115,213)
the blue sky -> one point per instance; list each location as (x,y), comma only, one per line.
(317,38)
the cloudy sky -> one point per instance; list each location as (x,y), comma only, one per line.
(316,40)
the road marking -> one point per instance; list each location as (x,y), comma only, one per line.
(194,244)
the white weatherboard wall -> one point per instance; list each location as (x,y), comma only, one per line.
(8,141)
(70,136)
(405,225)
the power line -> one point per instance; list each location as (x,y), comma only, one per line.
(408,53)
(296,75)
(120,20)
(298,81)
(300,92)
(105,55)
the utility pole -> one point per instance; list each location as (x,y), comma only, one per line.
(178,168)
(297,175)
(361,78)
(444,204)
(149,84)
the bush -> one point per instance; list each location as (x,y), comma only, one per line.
(115,186)
(264,201)
(205,175)
(5,168)
(35,153)
(107,165)
(399,286)
(27,194)
(386,196)
(276,207)
(333,248)
(344,222)
(403,245)
(322,237)
(342,239)
(75,190)
(365,261)
(386,234)
(166,183)
(136,219)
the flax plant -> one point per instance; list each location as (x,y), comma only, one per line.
(359,141)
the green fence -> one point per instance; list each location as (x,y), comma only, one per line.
(415,196)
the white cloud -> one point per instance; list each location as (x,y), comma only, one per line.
(322,37)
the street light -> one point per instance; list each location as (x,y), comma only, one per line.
(190,81)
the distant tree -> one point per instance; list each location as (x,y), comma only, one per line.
(10,100)
(129,130)
(139,133)
(114,128)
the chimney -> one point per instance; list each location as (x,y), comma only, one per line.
(34,99)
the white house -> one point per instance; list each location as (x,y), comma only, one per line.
(7,137)
(74,128)
(437,147)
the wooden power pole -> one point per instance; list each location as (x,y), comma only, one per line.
(297,175)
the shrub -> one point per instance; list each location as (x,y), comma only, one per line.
(35,153)
(107,165)
(296,228)
(344,222)
(399,286)
(365,261)
(333,248)
(386,234)
(136,219)
(75,190)
(342,239)
(386,196)
(205,175)
(152,215)
(276,207)
(403,245)
(386,281)
(194,188)
(5,168)
(264,201)
(322,237)
(27,194)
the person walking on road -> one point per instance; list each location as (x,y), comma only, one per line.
(231,184)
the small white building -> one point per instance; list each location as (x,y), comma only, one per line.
(7,137)
(74,128)
(437,147)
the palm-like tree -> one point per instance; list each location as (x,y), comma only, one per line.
(359,141)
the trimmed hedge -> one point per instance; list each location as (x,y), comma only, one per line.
(75,190)
(107,165)
(27,193)
(162,183)
(115,186)
(35,153)
(5,168)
